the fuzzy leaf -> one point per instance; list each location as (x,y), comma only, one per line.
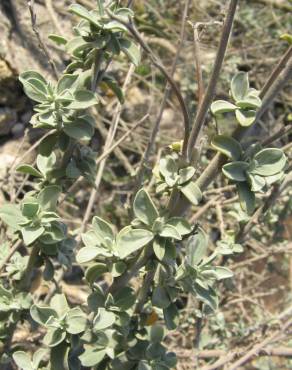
(22,360)
(192,192)
(131,50)
(239,86)
(246,198)
(245,118)
(227,146)
(28,170)
(196,248)
(235,171)
(144,208)
(48,197)
(130,240)
(269,162)
(80,129)
(222,106)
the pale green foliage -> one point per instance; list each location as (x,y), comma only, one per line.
(245,98)
(253,171)
(110,331)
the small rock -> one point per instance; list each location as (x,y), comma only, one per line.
(7,120)
(17,130)
(25,117)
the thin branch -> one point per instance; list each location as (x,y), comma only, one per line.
(12,250)
(210,92)
(155,130)
(278,69)
(42,45)
(108,143)
(158,64)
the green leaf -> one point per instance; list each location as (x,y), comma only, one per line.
(235,171)
(54,337)
(85,14)
(269,162)
(131,50)
(29,210)
(102,228)
(38,356)
(227,146)
(48,197)
(48,273)
(169,231)
(27,75)
(246,198)
(249,102)
(125,298)
(94,272)
(11,215)
(169,170)
(245,118)
(59,357)
(42,314)
(57,39)
(157,333)
(83,99)
(80,129)
(192,192)
(222,272)
(159,247)
(144,208)
(66,82)
(92,356)
(196,248)
(130,240)
(46,163)
(180,224)
(239,86)
(222,106)
(22,360)
(118,268)
(28,170)
(47,145)
(185,174)
(113,85)
(77,45)
(171,316)
(34,86)
(76,321)
(103,320)
(160,297)
(59,304)
(31,233)
(256,182)
(287,37)
(87,254)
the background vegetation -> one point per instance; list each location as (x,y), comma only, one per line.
(254,314)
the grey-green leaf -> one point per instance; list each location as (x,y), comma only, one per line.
(269,162)
(28,170)
(192,192)
(222,106)
(246,198)
(227,146)
(22,360)
(245,118)
(130,240)
(239,86)
(235,171)
(144,208)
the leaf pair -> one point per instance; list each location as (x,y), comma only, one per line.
(246,99)
(172,176)
(59,319)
